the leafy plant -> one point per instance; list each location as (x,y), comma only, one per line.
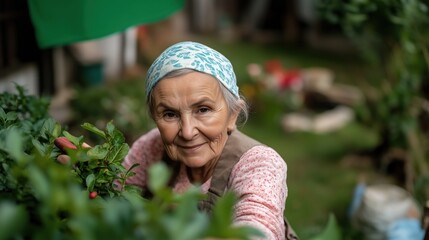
(29,114)
(99,169)
(43,199)
(393,36)
(62,208)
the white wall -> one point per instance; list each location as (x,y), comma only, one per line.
(26,77)
(110,48)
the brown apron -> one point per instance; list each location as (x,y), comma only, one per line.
(237,144)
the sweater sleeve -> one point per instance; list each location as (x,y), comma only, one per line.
(145,150)
(259,180)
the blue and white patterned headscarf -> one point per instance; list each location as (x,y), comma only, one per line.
(194,56)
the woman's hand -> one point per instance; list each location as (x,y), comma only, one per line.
(63,144)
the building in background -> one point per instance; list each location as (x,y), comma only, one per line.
(34,54)
(47,46)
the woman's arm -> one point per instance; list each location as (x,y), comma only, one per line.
(259,180)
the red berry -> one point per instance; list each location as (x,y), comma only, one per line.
(63,143)
(92,195)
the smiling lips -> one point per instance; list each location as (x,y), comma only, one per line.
(191,148)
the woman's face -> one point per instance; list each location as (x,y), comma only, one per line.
(192,117)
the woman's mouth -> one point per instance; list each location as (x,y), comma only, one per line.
(191,148)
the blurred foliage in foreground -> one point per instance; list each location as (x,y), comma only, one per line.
(43,199)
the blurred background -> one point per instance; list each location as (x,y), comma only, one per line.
(338,88)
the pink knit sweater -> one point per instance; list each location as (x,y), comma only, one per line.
(259,180)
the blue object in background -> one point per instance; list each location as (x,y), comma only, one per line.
(405,229)
(357,198)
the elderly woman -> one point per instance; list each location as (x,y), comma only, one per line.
(193,98)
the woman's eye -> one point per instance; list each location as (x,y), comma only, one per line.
(204,109)
(169,115)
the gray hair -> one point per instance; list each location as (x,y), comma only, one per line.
(234,104)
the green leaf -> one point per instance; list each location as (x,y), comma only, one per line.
(356,18)
(221,221)
(409,46)
(158,177)
(90,181)
(48,127)
(187,222)
(13,218)
(116,137)
(39,147)
(98,152)
(332,230)
(119,153)
(110,128)
(56,131)
(2,114)
(75,140)
(11,116)
(14,144)
(39,181)
(222,214)
(129,171)
(94,129)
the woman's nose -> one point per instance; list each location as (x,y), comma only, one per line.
(188,128)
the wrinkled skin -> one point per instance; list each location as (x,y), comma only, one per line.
(194,121)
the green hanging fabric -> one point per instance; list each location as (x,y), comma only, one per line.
(62,22)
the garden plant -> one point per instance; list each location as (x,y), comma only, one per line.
(392,36)
(86,197)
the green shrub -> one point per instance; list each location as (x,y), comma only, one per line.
(393,37)
(43,199)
